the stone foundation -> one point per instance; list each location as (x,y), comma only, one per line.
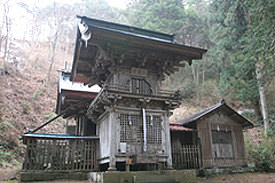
(163,176)
(29,176)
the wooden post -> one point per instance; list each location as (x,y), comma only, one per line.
(112,139)
(168,140)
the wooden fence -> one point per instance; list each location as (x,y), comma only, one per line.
(186,157)
(62,153)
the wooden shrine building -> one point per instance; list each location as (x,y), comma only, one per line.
(215,137)
(130,113)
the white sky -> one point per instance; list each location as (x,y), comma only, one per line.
(121,4)
(20,18)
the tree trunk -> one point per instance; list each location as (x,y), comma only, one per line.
(196,78)
(6,12)
(203,69)
(198,74)
(256,107)
(52,55)
(1,37)
(195,73)
(262,96)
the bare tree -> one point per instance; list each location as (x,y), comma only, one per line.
(1,31)
(5,25)
(59,21)
(6,17)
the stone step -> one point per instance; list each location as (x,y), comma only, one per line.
(165,176)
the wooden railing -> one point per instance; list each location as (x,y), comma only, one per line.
(60,153)
(127,89)
(117,87)
(186,157)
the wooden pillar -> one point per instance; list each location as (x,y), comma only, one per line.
(66,126)
(168,140)
(84,125)
(194,137)
(77,125)
(112,140)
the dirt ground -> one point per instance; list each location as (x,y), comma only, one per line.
(10,175)
(241,178)
(59,181)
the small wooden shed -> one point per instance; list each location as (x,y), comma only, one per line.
(218,131)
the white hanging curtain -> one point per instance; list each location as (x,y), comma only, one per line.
(144,130)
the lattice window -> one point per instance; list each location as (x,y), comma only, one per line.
(141,86)
(153,124)
(131,128)
(222,144)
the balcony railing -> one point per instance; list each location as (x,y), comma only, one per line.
(127,89)
(60,152)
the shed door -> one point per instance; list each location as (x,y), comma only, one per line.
(222,144)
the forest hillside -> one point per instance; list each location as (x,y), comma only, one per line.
(238,67)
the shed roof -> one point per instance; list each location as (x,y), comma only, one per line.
(57,136)
(177,127)
(73,96)
(190,120)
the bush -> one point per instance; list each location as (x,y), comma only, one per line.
(38,92)
(271,130)
(26,107)
(9,157)
(263,154)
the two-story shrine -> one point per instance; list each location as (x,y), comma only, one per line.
(131,111)
(129,116)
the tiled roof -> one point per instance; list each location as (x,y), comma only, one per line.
(176,127)
(220,106)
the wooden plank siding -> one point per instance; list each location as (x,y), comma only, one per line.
(221,122)
(205,139)
(240,147)
(55,154)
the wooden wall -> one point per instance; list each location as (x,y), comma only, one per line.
(83,127)
(122,77)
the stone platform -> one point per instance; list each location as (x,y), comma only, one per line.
(34,176)
(162,176)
